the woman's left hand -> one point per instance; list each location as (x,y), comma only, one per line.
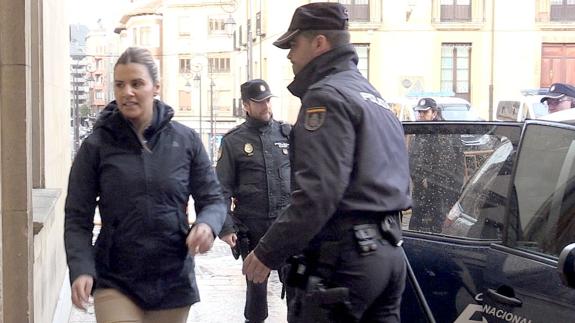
(200,239)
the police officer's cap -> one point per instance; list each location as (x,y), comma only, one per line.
(559,90)
(426,104)
(314,16)
(255,90)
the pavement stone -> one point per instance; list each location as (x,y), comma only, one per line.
(222,291)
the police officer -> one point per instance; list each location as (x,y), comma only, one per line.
(436,165)
(350,180)
(253,168)
(561,96)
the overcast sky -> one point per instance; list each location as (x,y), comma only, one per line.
(87,12)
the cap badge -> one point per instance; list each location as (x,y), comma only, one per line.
(314,118)
(552,88)
(249,149)
(422,102)
(262,88)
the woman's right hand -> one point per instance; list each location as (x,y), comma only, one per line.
(81,289)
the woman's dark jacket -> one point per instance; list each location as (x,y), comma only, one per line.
(142,196)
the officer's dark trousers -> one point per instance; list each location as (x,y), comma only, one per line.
(256,307)
(375,281)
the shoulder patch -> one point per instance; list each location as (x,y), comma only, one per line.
(314,118)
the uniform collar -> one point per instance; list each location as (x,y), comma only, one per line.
(334,61)
(258,124)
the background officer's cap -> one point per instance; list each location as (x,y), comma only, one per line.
(426,104)
(559,90)
(314,16)
(255,90)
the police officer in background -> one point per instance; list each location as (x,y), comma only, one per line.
(561,96)
(436,165)
(253,168)
(350,180)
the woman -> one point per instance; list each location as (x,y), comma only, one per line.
(139,168)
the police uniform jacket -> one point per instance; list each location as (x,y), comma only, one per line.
(142,196)
(253,168)
(347,151)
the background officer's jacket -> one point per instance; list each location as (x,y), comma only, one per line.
(253,168)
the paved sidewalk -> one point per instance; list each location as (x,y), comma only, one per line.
(222,290)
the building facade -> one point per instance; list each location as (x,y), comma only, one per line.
(480,50)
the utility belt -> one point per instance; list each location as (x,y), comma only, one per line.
(363,228)
(366,230)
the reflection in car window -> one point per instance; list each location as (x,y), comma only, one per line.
(443,157)
(458,112)
(437,172)
(545,191)
(440,164)
(480,209)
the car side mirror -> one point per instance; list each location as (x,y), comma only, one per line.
(566,265)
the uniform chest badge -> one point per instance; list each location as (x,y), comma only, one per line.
(285,151)
(249,149)
(314,118)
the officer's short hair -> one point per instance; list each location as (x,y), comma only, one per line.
(335,37)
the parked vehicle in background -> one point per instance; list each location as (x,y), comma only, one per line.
(403,108)
(562,115)
(527,106)
(505,252)
(453,108)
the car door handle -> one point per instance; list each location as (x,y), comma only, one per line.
(513,301)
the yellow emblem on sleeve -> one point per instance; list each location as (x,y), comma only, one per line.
(314,118)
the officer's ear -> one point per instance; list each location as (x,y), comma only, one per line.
(321,44)
(246,106)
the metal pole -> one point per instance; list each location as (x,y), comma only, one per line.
(212,134)
(76,118)
(200,80)
(76,109)
(249,47)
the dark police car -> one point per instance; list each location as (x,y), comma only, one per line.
(503,250)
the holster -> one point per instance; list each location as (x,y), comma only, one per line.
(242,247)
(319,304)
(367,235)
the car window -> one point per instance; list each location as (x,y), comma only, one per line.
(442,158)
(480,209)
(458,112)
(543,210)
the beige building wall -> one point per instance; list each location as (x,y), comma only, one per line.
(35,157)
(50,270)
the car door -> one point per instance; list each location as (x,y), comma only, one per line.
(521,281)
(448,264)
